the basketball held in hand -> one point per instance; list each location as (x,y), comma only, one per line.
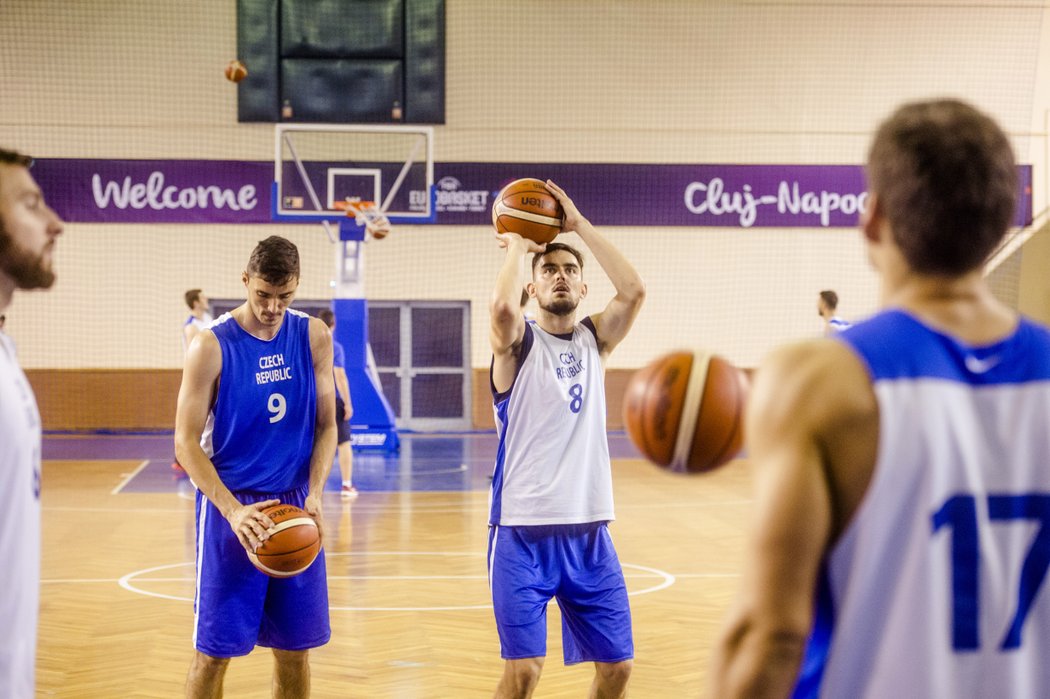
(527,207)
(293,544)
(685,411)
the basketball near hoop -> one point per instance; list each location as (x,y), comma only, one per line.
(236,71)
(527,207)
(685,411)
(367,214)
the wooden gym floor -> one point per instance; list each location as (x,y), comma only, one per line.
(406,561)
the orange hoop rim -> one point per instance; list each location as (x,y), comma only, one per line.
(353,208)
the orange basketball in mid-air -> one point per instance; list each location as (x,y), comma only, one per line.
(527,208)
(685,411)
(293,544)
(236,71)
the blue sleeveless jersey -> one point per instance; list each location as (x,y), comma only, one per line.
(260,433)
(937,588)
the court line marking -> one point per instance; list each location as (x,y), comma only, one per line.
(77,581)
(128,477)
(386,506)
(437,472)
(184,578)
(60,508)
(439,507)
(126,581)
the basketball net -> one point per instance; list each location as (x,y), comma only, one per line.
(367,214)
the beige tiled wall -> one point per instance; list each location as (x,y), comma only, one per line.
(549,80)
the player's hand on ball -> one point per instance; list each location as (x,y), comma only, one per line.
(572,215)
(250,524)
(505,240)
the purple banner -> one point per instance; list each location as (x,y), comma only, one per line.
(157,191)
(725,196)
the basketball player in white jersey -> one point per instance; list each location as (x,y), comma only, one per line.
(902,532)
(199,318)
(28,229)
(827,303)
(552,483)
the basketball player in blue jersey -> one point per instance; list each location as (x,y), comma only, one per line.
(552,483)
(344,411)
(902,532)
(256,426)
(28,232)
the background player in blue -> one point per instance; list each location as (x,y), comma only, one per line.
(903,494)
(28,233)
(256,426)
(344,411)
(552,483)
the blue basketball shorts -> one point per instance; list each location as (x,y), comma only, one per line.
(573,563)
(236,607)
(342,427)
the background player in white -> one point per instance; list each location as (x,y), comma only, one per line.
(256,426)
(552,484)
(200,315)
(903,491)
(28,232)
(827,303)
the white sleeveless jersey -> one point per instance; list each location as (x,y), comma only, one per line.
(553,466)
(199,323)
(838,324)
(19,526)
(938,586)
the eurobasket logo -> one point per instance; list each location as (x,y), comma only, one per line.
(451,198)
